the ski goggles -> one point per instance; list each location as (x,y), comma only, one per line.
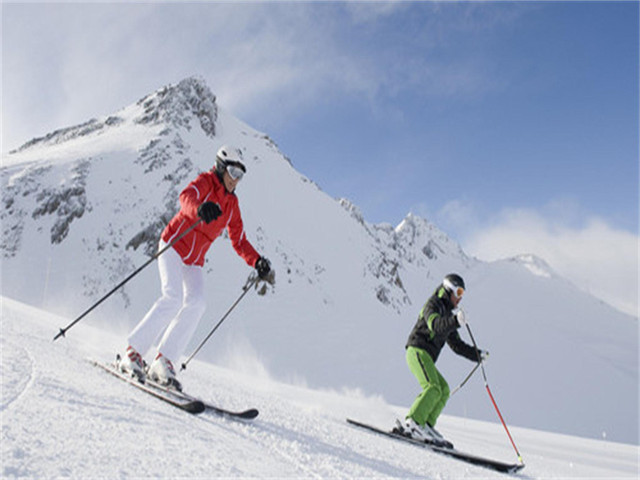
(235,172)
(457,291)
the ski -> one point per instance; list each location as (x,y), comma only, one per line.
(190,405)
(248,414)
(451,452)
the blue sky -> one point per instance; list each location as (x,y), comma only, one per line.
(512,126)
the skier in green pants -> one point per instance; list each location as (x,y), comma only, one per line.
(437,323)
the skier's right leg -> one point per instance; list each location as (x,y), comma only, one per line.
(165,308)
(423,368)
(181,329)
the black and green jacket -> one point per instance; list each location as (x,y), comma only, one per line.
(436,325)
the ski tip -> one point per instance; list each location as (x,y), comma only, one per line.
(195,406)
(250,414)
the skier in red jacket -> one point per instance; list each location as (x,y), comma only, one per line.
(210,197)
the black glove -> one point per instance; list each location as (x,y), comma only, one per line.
(263,266)
(209,211)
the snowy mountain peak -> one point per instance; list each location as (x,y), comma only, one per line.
(178,104)
(419,235)
(535,265)
(171,106)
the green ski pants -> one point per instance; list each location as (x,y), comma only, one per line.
(435,390)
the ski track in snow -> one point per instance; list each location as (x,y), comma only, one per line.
(16,373)
(64,418)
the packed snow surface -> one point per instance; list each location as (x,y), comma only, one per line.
(64,418)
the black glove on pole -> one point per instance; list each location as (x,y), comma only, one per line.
(209,211)
(263,267)
(62,331)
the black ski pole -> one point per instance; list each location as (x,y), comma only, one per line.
(250,282)
(63,331)
(465,380)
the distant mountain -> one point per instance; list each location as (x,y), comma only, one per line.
(84,206)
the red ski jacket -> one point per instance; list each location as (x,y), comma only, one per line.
(194,245)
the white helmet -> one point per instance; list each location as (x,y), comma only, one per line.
(227,156)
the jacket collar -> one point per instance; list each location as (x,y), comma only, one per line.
(218,176)
(444,296)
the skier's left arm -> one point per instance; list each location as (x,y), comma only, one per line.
(460,347)
(239,238)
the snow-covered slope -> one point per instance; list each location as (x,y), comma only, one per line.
(64,418)
(84,206)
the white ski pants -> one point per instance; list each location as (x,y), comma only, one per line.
(176,313)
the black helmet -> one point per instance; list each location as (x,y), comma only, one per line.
(453,283)
(229,156)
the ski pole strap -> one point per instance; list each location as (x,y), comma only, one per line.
(63,331)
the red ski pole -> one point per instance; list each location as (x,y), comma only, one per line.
(486,384)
